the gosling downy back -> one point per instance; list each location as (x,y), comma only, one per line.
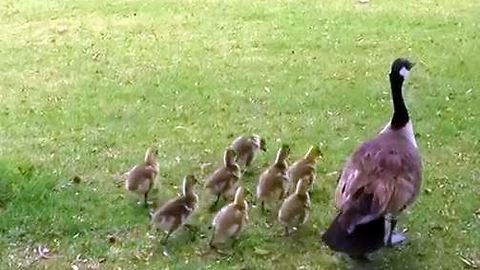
(304,168)
(230,220)
(273,182)
(141,177)
(174,213)
(247,148)
(224,179)
(296,207)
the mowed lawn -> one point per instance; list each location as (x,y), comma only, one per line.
(86,87)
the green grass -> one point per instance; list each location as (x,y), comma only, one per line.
(86,87)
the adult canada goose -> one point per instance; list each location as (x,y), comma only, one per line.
(141,177)
(224,179)
(379,180)
(175,213)
(247,148)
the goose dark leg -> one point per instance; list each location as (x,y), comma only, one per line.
(211,240)
(165,239)
(263,207)
(193,230)
(165,252)
(249,160)
(286,231)
(394,238)
(214,205)
(235,241)
(145,199)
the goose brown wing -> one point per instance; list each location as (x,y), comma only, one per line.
(388,168)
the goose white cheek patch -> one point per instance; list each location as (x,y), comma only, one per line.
(404,72)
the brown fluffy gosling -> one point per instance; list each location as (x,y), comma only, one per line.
(304,168)
(230,220)
(273,182)
(247,148)
(296,207)
(175,213)
(141,177)
(224,179)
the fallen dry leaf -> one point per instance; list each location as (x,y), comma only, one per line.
(469,262)
(261,252)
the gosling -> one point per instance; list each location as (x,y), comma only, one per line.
(230,220)
(140,178)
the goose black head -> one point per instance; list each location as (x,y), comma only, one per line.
(401,67)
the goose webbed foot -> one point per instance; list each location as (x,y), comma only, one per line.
(262,207)
(396,239)
(145,200)
(164,240)
(165,251)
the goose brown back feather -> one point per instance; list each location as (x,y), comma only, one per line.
(388,167)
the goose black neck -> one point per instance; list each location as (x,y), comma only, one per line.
(400,113)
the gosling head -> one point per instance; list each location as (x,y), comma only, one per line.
(188,183)
(151,156)
(230,157)
(240,198)
(314,152)
(259,142)
(285,148)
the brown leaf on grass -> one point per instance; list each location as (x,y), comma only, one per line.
(76,179)
(112,239)
(261,252)
(43,253)
(469,262)
(61,29)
